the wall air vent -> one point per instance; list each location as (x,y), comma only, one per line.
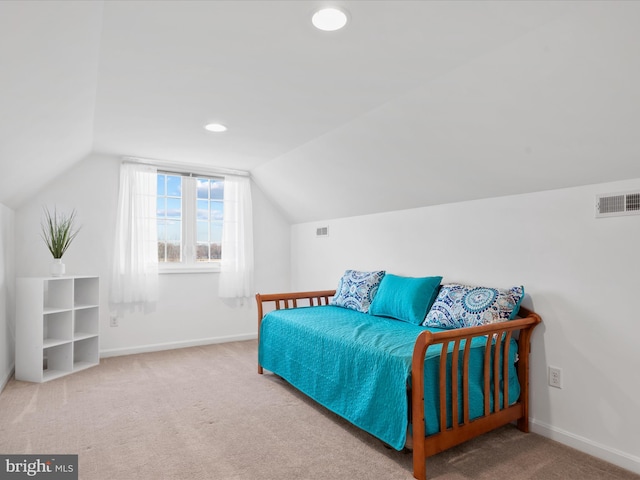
(615,204)
(322,232)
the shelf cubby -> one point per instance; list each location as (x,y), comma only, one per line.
(85,353)
(58,294)
(57,328)
(85,292)
(86,323)
(57,361)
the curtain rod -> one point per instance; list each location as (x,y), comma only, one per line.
(181,167)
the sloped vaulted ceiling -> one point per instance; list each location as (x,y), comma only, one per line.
(48,74)
(414,103)
(552,107)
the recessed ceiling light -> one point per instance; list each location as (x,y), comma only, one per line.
(329,19)
(215,127)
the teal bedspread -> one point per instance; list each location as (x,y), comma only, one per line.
(358,366)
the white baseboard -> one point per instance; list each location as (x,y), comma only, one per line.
(7,377)
(608,454)
(115,352)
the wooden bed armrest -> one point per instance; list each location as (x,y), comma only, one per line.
(291,300)
(446,438)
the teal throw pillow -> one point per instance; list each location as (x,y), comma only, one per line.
(405,298)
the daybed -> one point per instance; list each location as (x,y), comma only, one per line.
(394,378)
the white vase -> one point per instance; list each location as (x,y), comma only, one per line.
(57,268)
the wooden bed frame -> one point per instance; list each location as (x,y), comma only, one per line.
(425,446)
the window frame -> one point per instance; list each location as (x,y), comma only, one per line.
(189,219)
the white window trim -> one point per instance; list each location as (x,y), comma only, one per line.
(173,268)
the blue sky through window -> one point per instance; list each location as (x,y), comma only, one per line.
(169,215)
(209,194)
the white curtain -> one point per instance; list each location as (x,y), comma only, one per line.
(135,264)
(236,265)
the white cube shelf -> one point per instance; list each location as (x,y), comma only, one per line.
(57,326)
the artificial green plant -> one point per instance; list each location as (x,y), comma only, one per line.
(58,231)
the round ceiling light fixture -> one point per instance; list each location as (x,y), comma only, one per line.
(215,127)
(329,19)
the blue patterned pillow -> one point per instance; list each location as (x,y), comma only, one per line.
(458,306)
(357,289)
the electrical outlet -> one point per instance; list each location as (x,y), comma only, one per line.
(555,377)
(114,321)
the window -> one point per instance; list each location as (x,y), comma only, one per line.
(189,219)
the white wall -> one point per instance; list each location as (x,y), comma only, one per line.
(7,318)
(189,311)
(580,274)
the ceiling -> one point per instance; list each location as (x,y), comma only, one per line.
(414,103)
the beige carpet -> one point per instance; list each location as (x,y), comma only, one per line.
(204,413)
